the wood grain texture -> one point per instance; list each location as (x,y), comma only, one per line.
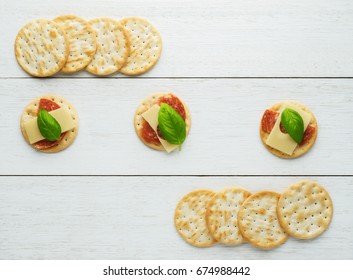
(224,136)
(132,218)
(216,38)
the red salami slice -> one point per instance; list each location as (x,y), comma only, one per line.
(309,132)
(268,120)
(48,105)
(173,102)
(147,133)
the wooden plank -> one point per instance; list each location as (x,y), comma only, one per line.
(216,38)
(132,218)
(224,137)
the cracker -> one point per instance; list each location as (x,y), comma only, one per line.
(31,111)
(82,42)
(299,150)
(222,215)
(305,210)
(257,220)
(113,47)
(146,46)
(190,218)
(144,106)
(41,48)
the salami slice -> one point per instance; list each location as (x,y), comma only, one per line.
(48,105)
(309,132)
(268,120)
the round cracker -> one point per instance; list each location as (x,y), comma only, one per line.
(305,210)
(41,48)
(113,47)
(82,42)
(144,106)
(190,218)
(258,222)
(299,150)
(31,111)
(222,215)
(146,46)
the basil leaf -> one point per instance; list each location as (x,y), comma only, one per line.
(171,125)
(48,126)
(293,123)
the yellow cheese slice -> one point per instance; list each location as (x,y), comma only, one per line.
(61,115)
(151,116)
(282,141)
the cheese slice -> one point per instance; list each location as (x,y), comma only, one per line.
(282,141)
(151,116)
(61,115)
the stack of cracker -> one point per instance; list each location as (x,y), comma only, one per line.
(264,219)
(102,46)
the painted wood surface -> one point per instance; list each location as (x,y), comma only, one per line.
(223,38)
(228,60)
(224,137)
(132,218)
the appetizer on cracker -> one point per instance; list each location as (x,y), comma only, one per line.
(49,123)
(288,129)
(162,122)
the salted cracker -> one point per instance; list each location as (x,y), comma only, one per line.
(305,210)
(222,215)
(113,47)
(258,222)
(41,48)
(190,218)
(31,111)
(146,46)
(146,104)
(82,41)
(300,149)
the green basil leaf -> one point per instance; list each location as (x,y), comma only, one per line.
(48,126)
(171,125)
(293,123)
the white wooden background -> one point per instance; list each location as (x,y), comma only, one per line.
(110,197)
